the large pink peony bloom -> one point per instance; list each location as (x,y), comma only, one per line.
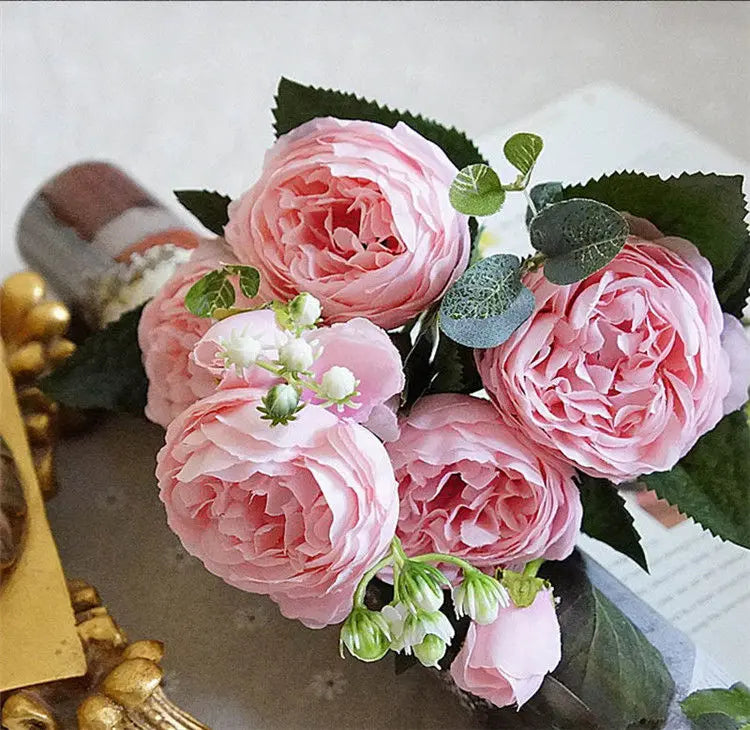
(357,214)
(297,512)
(167,333)
(471,487)
(506,661)
(620,373)
(359,345)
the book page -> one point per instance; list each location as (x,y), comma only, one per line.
(697,582)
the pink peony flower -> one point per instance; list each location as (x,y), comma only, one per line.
(358,345)
(506,661)
(623,372)
(297,512)
(357,214)
(167,333)
(471,487)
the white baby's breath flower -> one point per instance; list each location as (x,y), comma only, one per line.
(296,356)
(239,350)
(304,310)
(338,384)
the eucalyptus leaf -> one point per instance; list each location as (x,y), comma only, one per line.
(543,195)
(578,236)
(104,372)
(208,206)
(522,151)
(297,104)
(606,518)
(249,278)
(707,209)
(487,303)
(477,190)
(719,707)
(210,292)
(711,483)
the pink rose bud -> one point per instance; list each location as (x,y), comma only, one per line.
(506,661)
(621,373)
(357,214)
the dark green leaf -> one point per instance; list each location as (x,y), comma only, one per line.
(455,369)
(210,292)
(578,237)
(606,661)
(249,278)
(708,210)
(487,304)
(104,372)
(522,151)
(711,483)
(719,707)
(543,195)
(477,190)
(208,206)
(297,104)
(606,518)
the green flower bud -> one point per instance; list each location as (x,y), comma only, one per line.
(430,650)
(304,310)
(522,588)
(365,634)
(281,404)
(479,597)
(419,587)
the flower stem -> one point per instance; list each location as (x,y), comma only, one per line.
(532,567)
(359,593)
(442,558)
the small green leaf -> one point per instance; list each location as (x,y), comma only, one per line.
(212,291)
(708,210)
(708,705)
(522,589)
(578,236)
(522,151)
(606,661)
(606,518)
(104,372)
(543,195)
(711,483)
(208,206)
(455,369)
(249,278)
(297,104)
(477,190)
(487,303)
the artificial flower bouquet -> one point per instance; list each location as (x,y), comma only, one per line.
(321,370)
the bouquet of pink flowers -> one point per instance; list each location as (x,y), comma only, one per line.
(322,369)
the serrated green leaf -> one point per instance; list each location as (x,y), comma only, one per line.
(297,104)
(606,661)
(606,518)
(455,370)
(708,210)
(208,206)
(578,236)
(104,372)
(711,483)
(522,151)
(543,195)
(477,190)
(249,278)
(210,292)
(707,705)
(487,303)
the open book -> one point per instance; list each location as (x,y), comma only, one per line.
(699,583)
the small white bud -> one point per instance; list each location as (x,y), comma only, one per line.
(479,597)
(420,587)
(366,635)
(338,384)
(430,651)
(296,356)
(304,310)
(418,626)
(239,350)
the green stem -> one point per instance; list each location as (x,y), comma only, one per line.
(532,567)
(530,202)
(268,366)
(359,593)
(533,263)
(441,558)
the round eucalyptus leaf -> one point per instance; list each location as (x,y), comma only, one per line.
(578,237)
(543,195)
(522,151)
(477,190)
(487,304)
